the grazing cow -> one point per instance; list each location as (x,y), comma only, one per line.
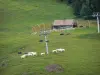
(54,51)
(32,53)
(43,53)
(60,50)
(29,54)
(23,56)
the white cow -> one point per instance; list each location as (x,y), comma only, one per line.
(43,53)
(29,54)
(63,49)
(32,53)
(54,51)
(60,50)
(23,56)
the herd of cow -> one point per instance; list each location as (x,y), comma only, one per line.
(35,53)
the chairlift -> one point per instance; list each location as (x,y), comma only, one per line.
(19,52)
(61,33)
(40,40)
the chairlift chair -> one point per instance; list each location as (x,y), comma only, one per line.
(40,40)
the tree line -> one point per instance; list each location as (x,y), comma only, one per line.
(84,8)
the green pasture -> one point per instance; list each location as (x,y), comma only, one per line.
(82,45)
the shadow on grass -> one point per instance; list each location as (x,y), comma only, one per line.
(90,36)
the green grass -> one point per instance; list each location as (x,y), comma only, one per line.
(82,46)
(22,15)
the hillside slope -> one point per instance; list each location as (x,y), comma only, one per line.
(82,53)
(26,13)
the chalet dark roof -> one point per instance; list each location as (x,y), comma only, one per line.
(63,22)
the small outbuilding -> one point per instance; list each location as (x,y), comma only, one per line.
(64,24)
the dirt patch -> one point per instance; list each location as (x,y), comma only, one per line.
(54,68)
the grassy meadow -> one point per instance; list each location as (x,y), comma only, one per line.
(17,18)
